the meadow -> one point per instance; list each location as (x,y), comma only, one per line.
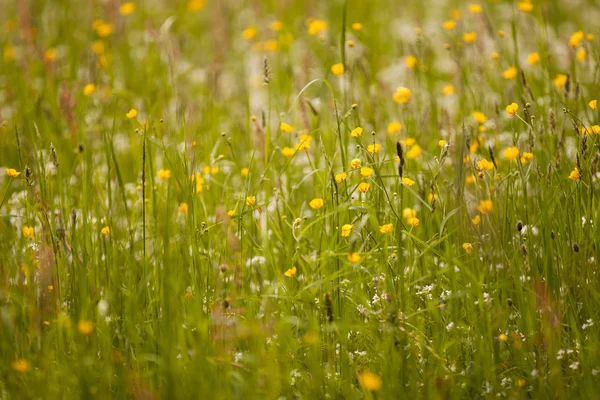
(282,199)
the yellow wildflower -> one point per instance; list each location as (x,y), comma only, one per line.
(21,366)
(402,95)
(386,228)
(316,26)
(28,232)
(485,206)
(370,381)
(470,37)
(105,231)
(593,104)
(288,151)
(127,8)
(575,39)
(510,73)
(525,6)
(353,257)
(411,62)
(468,247)
(276,26)
(356,163)
(533,58)
(304,142)
(250,200)
(485,165)
(85,327)
(511,153)
(164,174)
(442,143)
(366,171)
(449,25)
(479,116)
(196,5)
(89,89)
(560,81)
(316,203)
(414,152)
(249,33)
(339,178)
(290,272)
(448,90)
(131,114)
(286,128)
(183,208)
(575,175)
(474,8)
(12,172)
(414,222)
(408,182)
(476,220)
(357,26)
(356,132)
(363,187)
(394,127)
(512,109)
(581,54)
(373,148)
(347,230)
(337,69)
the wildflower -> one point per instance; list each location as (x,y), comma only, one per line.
(596,129)
(363,187)
(502,337)
(414,152)
(525,6)
(104,29)
(276,26)
(244,172)
(394,127)
(533,58)
(589,37)
(408,142)
(455,14)
(304,142)
(449,25)
(512,109)
(447,90)
(50,54)
(411,62)
(183,208)
(286,128)
(105,231)
(357,26)
(339,178)
(271,45)
(559,81)
(356,132)
(28,232)
(316,26)
(89,89)
(231,213)
(9,52)
(353,257)
(442,143)
(468,247)
(290,272)
(386,228)
(288,151)
(350,43)
(249,33)
(195,5)
(370,381)
(164,174)
(511,153)
(366,171)
(593,104)
(575,175)
(131,114)
(510,73)
(470,37)
(355,163)
(575,39)
(408,182)
(526,157)
(485,206)
(316,203)
(474,8)
(414,222)
(373,148)
(495,56)
(408,213)
(337,69)
(476,220)
(402,95)
(250,200)
(479,116)
(127,8)
(12,172)
(21,366)
(581,54)
(347,230)
(485,165)
(85,327)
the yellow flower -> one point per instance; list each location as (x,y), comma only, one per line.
(199,182)
(402,95)
(127,8)
(355,163)
(356,132)
(9,52)
(183,208)
(350,43)
(366,171)
(104,29)
(470,179)
(250,200)
(288,151)
(495,55)
(363,187)
(479,116)
(286,128)
(339,178)
(304,142)
(510,73)
(28,232)
(596,129)
(512,109)
(533,58)
(485,165)
(455,14)
(502,337)
(593,104)
(449,25)
(337,69)
(560,81)
(316,26)
(442,143)
(448,90)
(476,220)
(370,381)
(131,114)
(373,148)
(408,142)
(245,172)
(195,5)
(575,39)
(85,327)
(470,37)
(21,366)
(386,228)
(468,247)
(89,89)
(394,127)
(347,230)
(290,272)
(411,62)
(525,6)
(408,182)
(575,175)
(408,213)
(164,174)
(249,33)
(276,26)
(231,213)
(414,222)
(511,153)
(353,257)
(12,172)
(105,231)
(357,26)
(316,203)
(414,152)
(581,54)
(485,206)
(474,8)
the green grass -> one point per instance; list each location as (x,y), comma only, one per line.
(150,273)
